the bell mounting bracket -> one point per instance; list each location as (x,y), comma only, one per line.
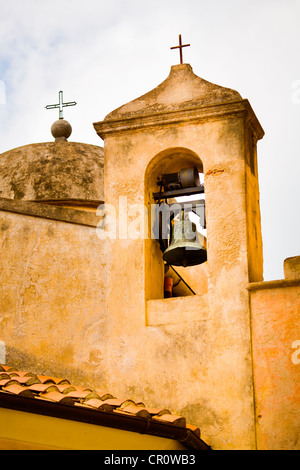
(184,183)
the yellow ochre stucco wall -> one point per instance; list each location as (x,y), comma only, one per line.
(93,311)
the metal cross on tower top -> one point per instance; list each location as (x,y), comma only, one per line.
(180,48)
(60,105)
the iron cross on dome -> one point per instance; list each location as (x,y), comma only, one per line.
(60,105)
(180,48)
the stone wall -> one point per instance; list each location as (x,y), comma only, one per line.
(55,318)
(275,308)
(53,287)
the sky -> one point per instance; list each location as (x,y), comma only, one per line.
(105,53)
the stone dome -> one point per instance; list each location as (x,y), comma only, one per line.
(59,172)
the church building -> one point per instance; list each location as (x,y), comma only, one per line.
(96,290)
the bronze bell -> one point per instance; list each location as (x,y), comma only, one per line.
(185,248)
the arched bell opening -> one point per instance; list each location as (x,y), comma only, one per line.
(171,267)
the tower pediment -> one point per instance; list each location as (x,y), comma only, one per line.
(180,91)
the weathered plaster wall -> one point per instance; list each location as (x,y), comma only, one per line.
(200,364)
(53,286)
(54,318)
(275,308)
(92,310)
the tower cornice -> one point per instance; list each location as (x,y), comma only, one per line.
(197,115)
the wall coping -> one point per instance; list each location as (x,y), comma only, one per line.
(47,211)
(281,283)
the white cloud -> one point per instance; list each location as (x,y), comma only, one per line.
(2,92)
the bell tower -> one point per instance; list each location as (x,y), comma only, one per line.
(184,122)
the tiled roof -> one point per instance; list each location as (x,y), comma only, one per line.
(44,389)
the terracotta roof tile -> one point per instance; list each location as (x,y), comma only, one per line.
(55,380)
(17,389)
(25,380)
(78,392)
(83,389)
(172,419)
(195,429)
(43,388)
(115,402)
(126,403)
(158,411)
(16,373)
(83,394)
(105,396)
(62,392)
(134,410)
(57,397)
(6,368)
(64,388)
(4,376)
(99,404)
(6,382)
